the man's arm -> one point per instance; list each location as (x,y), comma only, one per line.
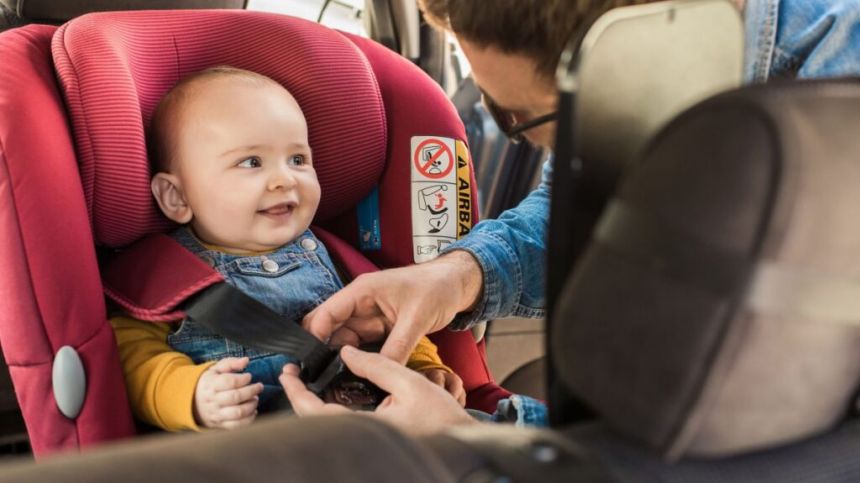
(404,303)
(495,271)
(511,253)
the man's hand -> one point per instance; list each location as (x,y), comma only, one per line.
(408,302)
(225,399)
(448,381)
(415,405)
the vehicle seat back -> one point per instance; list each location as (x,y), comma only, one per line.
(716,310)
(50,282)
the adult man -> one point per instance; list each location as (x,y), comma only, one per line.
(497,270)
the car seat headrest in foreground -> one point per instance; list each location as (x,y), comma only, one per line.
(114,68)
(716,309)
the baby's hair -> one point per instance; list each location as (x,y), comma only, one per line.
(160,141)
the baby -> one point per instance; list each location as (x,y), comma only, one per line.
(234,168)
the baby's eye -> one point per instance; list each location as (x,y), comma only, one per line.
(296,160)
(252,162)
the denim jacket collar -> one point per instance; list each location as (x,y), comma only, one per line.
(220,259)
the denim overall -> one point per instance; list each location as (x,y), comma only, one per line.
(291,280)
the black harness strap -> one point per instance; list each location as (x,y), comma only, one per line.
(236,316)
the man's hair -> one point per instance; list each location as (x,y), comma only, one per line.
(160,140)
(538,29)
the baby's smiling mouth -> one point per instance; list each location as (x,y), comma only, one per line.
(279,209)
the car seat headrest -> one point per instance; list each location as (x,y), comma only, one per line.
(715,310)
(115,67)
(64,10)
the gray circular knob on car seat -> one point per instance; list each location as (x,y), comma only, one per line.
(69,381)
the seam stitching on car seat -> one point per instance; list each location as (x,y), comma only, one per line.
(381,105)
(91,203)
(26,259)
(22,244)
(160,309)
(176,52)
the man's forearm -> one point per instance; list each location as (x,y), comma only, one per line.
(510,253)
(467,271)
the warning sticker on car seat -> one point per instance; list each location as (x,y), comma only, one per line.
(441,194)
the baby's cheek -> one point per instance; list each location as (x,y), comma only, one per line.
(226,217)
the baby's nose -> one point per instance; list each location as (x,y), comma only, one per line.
(282,179)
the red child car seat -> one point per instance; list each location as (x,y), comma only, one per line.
(74,175)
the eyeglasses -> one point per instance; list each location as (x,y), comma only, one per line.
(507,121)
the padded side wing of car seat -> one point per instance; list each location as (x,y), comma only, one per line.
(417,106)
(50,284)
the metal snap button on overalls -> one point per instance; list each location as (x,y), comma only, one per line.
(270,266)
(309,244)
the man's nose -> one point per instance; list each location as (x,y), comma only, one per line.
(281,177)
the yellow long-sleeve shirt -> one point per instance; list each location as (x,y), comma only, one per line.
(161,382)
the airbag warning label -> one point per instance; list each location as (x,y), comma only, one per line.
(441,194)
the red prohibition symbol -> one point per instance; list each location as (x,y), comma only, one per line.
(436,163)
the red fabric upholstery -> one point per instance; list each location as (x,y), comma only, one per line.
(346,256)
(415,106)
(115,67)
(156,257)
(49,283)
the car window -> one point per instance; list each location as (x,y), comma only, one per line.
(343,15)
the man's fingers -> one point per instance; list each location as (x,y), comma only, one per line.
(454,385)
(292,369)
(357,299)
(345,336)
(224,382)
(403,338)
(230,364)
(359,330)
(234,397)
(385,373)
(437,377)
(303,401)
(321,323)
(331,314)
(327,318)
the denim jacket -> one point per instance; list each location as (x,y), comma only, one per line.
(783,38)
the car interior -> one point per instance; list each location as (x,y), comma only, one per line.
(700,288)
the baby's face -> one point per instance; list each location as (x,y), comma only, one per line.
(242,156)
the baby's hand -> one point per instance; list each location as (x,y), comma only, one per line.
(449,381)
(224,399)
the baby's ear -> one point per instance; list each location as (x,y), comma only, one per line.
(168,193)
